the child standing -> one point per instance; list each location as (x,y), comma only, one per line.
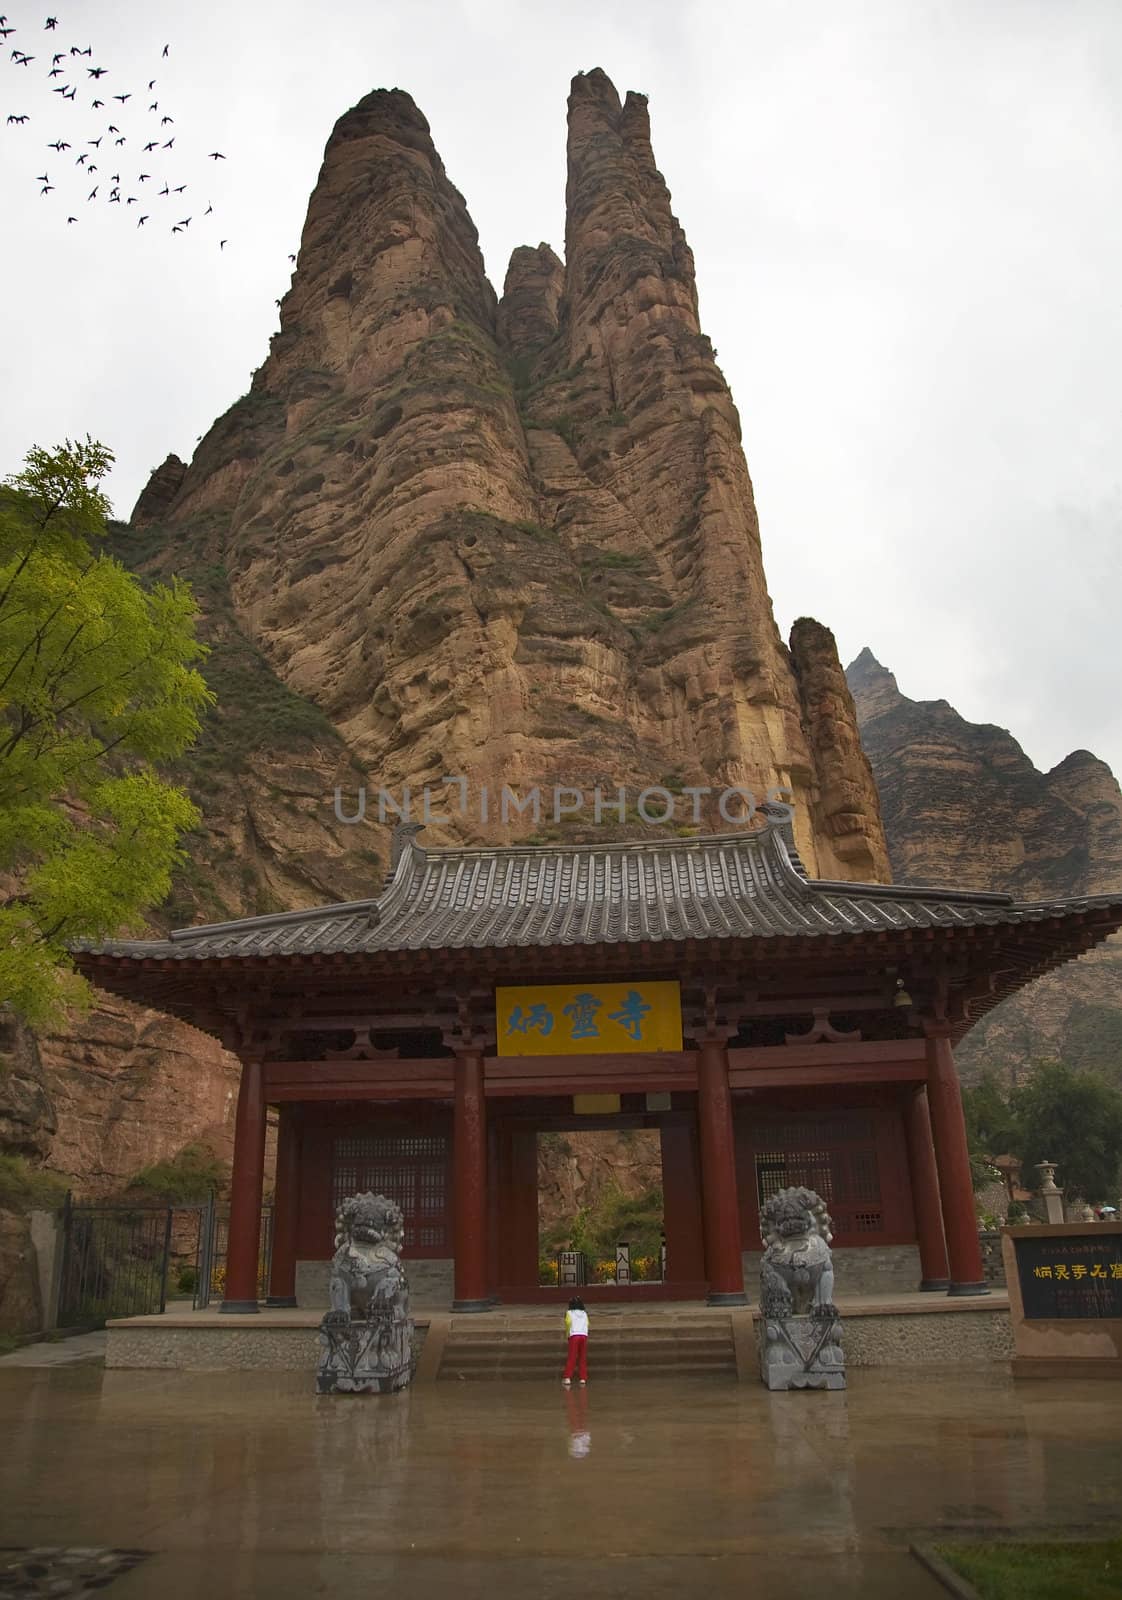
(576,1326)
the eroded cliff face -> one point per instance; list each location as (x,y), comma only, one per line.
(964,805)
(513,541)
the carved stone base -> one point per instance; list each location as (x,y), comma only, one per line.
(374,1356)
(802,1353)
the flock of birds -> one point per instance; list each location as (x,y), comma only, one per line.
(149,146)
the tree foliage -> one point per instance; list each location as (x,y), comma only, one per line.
(1075,1120)
(1071,1118)
(97,684)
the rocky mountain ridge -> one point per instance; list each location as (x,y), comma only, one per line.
(963,804)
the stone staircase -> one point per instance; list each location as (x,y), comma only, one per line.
(638,1345)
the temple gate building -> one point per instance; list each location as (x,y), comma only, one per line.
(774,1029)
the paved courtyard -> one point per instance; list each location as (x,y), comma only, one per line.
(248,1484)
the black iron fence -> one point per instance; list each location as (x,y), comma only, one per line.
(214,1239)
(125,1260)
(114,1263)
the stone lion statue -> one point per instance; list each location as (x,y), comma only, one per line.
(366,1339)
(801,1346)
(796,1274)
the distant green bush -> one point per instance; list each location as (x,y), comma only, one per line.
(27,1188)
(185,1179)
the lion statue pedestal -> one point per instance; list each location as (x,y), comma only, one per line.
(366,1339)
(800,1336)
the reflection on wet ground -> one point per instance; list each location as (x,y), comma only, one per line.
(248,1483)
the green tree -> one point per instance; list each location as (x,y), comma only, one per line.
(1075,1120)
(97,684)
(991,1127)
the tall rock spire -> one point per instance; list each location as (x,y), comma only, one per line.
(514,543)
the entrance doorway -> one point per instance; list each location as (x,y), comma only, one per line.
(601,1215)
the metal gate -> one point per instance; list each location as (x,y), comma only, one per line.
(117,1259)
(114,1262)
(213,1237)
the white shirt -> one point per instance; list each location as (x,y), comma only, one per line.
(577,1322)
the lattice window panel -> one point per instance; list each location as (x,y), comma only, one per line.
(833,1154)
(410,1169)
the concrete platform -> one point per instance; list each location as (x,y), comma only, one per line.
(879,1330)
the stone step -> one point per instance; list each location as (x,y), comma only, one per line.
(536,1351)
(689,1349)
(629,1374)
(481,1357)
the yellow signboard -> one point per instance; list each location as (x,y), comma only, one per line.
(585,1019)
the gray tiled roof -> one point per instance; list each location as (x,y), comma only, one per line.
(726,886)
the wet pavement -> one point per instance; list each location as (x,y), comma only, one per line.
(248,1484)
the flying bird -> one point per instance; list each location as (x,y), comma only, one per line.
(93,193)
(72,219)
(4,32)
(97,104)
(141,221)
(116,178)
(151,85)
(62,88)
(155,106)
(121,140)
(112,129)
(82,159)
(60,57)
(42,178)
(97,141)
(169,144)
(122,97)
(222,244)
(114,199)
(18,119)
(180,190)
(165,189)
(70,94)
(151,146)
(47,188)
(51,22)
(131,201)
(55,72)
(97,72)
(165,50)
(208,211)
(143,177)
(91,167)
(177,230)
(59,144)
(292,258)
(216,155)
(163,120)
(22,60)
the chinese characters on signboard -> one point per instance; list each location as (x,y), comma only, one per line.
(1073,1277)
(588,1018)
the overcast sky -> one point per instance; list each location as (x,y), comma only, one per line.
(908,231)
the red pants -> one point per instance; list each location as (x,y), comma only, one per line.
(578,1351)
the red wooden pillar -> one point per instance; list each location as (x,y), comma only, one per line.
(244,1236)
(926,1204)
(948,1128)
(286,1209)
(720,1204)
(469,1179)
